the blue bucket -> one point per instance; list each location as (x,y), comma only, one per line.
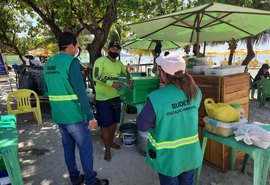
(129,134)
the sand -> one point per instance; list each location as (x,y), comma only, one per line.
(42,162)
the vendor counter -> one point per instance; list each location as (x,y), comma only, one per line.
(227,89)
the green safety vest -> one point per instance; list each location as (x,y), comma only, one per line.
(64,102)
(174,140)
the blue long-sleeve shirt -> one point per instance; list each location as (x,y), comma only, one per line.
(147,117)
(76,81)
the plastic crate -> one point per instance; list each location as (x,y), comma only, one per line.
(224,70)
(140,88)
(136,74)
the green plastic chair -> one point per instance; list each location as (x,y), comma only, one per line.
(252,88)
(264,90)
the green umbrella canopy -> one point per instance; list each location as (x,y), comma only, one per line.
(210,22)
(147,44)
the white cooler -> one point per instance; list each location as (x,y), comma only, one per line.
(222,128)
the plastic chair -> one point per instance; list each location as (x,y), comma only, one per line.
(256,63)
(264,90)
(239,62)
(22,97)
(252,87)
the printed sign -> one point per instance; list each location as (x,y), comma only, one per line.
(3,68)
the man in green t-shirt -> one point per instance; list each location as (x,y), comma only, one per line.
(106,71)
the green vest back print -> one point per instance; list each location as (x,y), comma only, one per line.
(174,140)
(63,100)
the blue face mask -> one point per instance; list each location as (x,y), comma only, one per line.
(114,55)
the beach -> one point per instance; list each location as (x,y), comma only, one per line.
(42,161)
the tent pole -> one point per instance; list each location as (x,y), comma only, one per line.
(204,47)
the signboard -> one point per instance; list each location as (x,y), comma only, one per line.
(3,69)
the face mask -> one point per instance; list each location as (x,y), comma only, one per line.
(114,55)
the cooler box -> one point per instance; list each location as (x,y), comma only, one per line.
(222,128)
(140,87)
(224,70)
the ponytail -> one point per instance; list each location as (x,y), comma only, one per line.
(185,82)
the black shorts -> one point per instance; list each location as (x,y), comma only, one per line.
(108,111)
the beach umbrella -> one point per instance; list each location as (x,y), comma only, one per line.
(209,22)
(148,44)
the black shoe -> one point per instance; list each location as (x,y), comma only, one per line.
(102,182)
(81,180)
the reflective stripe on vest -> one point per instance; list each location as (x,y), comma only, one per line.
(173,144)
(63,98)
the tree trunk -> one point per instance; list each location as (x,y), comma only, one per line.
(232,48)
(95,48)
(250,52)
(101,33)
(231,57)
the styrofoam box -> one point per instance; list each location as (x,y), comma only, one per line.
(224,70)
(222,128)
(200,69)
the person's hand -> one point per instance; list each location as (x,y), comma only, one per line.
(117,85)
(92,124)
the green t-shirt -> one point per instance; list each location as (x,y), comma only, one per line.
(104,74)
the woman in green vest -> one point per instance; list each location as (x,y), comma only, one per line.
(170,116)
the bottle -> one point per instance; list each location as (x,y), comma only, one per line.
(239,108)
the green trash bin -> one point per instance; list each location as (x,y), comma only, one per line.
(8,121)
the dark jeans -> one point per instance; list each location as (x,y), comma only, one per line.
(78,134)
(185,178)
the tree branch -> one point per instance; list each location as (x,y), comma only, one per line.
(49,21)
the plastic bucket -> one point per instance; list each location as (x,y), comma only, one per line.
(128,133)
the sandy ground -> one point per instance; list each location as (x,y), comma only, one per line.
(42,162)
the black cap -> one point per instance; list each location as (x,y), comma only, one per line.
(114,44)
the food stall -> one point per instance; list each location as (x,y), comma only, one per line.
(219,85)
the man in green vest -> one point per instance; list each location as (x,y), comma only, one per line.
(170,116)
(71,110)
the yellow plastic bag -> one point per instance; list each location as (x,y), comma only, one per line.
(220,111)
